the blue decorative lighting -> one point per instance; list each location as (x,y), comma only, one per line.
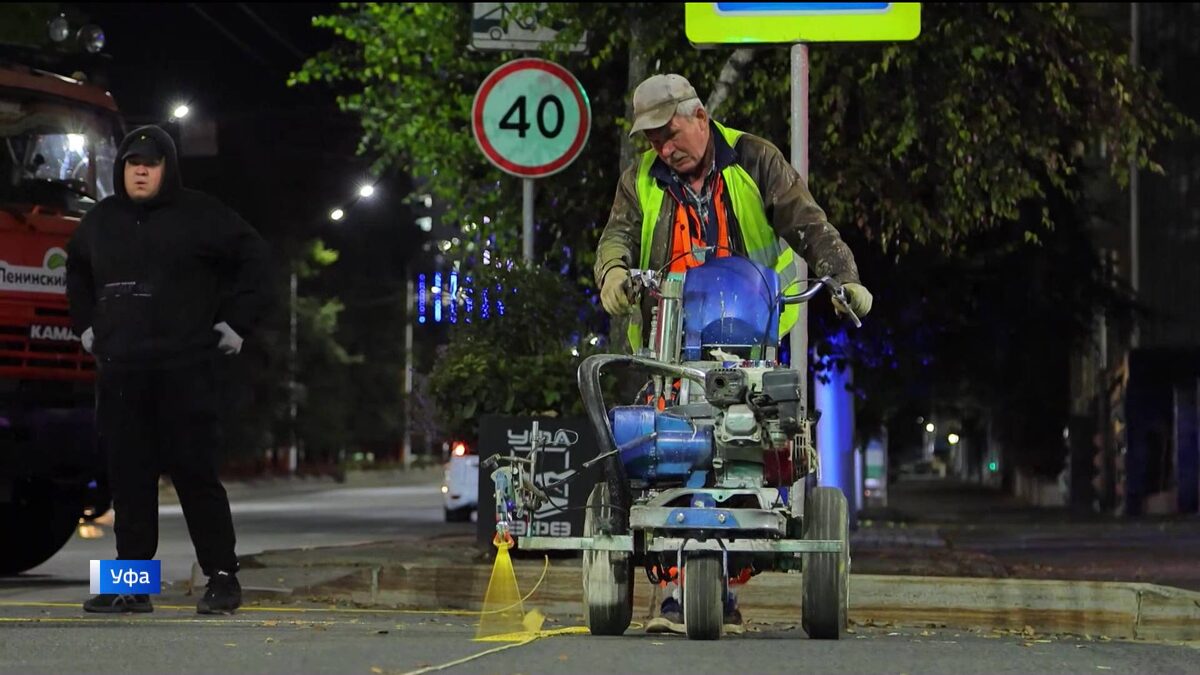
(437,301)
(420,298)
(454,297)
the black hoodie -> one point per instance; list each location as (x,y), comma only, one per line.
(152,277)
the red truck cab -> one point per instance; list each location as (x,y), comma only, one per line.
(58,140)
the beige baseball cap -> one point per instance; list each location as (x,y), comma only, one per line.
(655,100)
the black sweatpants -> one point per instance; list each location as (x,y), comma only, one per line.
(165,420)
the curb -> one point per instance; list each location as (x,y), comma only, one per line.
(1113,609)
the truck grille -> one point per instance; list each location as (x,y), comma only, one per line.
(46,356)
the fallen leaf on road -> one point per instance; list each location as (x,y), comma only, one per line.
(230,644)
(377,670)
(1028,630)
(925,633)
(851,631)
(1026,644)
(658,644)
(1104,638)
(563,657)
(1043,641)
(1104,667)
(270,624)
(269,640)
(892,634)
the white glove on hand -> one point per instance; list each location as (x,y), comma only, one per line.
(88,338)
(231,342)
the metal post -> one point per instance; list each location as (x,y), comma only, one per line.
(408,375)
(527,219)
(799,334)
(292,385)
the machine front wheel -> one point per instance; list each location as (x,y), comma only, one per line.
(607,575)
(826,576)
(703,597)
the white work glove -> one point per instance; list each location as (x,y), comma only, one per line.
(614,294)
(859,298)
(231,342)
(88,338)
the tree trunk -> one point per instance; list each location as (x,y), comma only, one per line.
(637,73)
(730,73)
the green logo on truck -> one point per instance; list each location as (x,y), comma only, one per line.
(51,277)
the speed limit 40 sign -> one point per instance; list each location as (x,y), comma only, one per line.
(531,118)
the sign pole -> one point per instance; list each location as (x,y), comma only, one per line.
(799,334)
(527,219)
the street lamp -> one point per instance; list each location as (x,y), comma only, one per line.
(181,111)
(366,191)
(336,215)
(953,438)
(930,428)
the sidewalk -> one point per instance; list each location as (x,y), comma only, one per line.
(948,528)
(942,552)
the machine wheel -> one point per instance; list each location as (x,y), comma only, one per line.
(607,575)
(703,597)
(36,524)
(826,579)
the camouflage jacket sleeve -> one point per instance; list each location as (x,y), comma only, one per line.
(621,241)
(794,213)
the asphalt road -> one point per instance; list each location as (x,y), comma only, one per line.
(280,518)
(61,640)
(43,630)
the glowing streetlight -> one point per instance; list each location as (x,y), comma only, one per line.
(366,191)
(181,111)
(337,214)
(930,428)
(953,438)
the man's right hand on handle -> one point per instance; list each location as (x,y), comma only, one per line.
(614,294)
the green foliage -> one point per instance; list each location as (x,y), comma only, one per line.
(521,363)
(924,142)
(949,150)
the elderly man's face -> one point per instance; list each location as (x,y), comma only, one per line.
(682,142)
(143,177)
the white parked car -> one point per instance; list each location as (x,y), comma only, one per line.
(460,484)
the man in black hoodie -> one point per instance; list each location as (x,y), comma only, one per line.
(162,279)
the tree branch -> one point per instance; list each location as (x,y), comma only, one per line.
(730,72)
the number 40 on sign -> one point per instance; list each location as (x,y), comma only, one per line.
(531,118)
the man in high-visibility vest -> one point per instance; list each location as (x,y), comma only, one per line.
(727,189)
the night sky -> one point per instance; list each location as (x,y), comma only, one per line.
(286,156)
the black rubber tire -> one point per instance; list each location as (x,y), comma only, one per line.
(703,597)
(607,575)
(826,576)
(36,524)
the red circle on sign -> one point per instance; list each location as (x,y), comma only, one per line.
(490,82)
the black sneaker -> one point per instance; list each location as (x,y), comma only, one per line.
(112,603)
(224,595)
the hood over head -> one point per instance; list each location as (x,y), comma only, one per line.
(149,140)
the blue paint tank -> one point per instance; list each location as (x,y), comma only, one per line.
(678,450)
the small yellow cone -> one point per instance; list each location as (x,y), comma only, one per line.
(503,613)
